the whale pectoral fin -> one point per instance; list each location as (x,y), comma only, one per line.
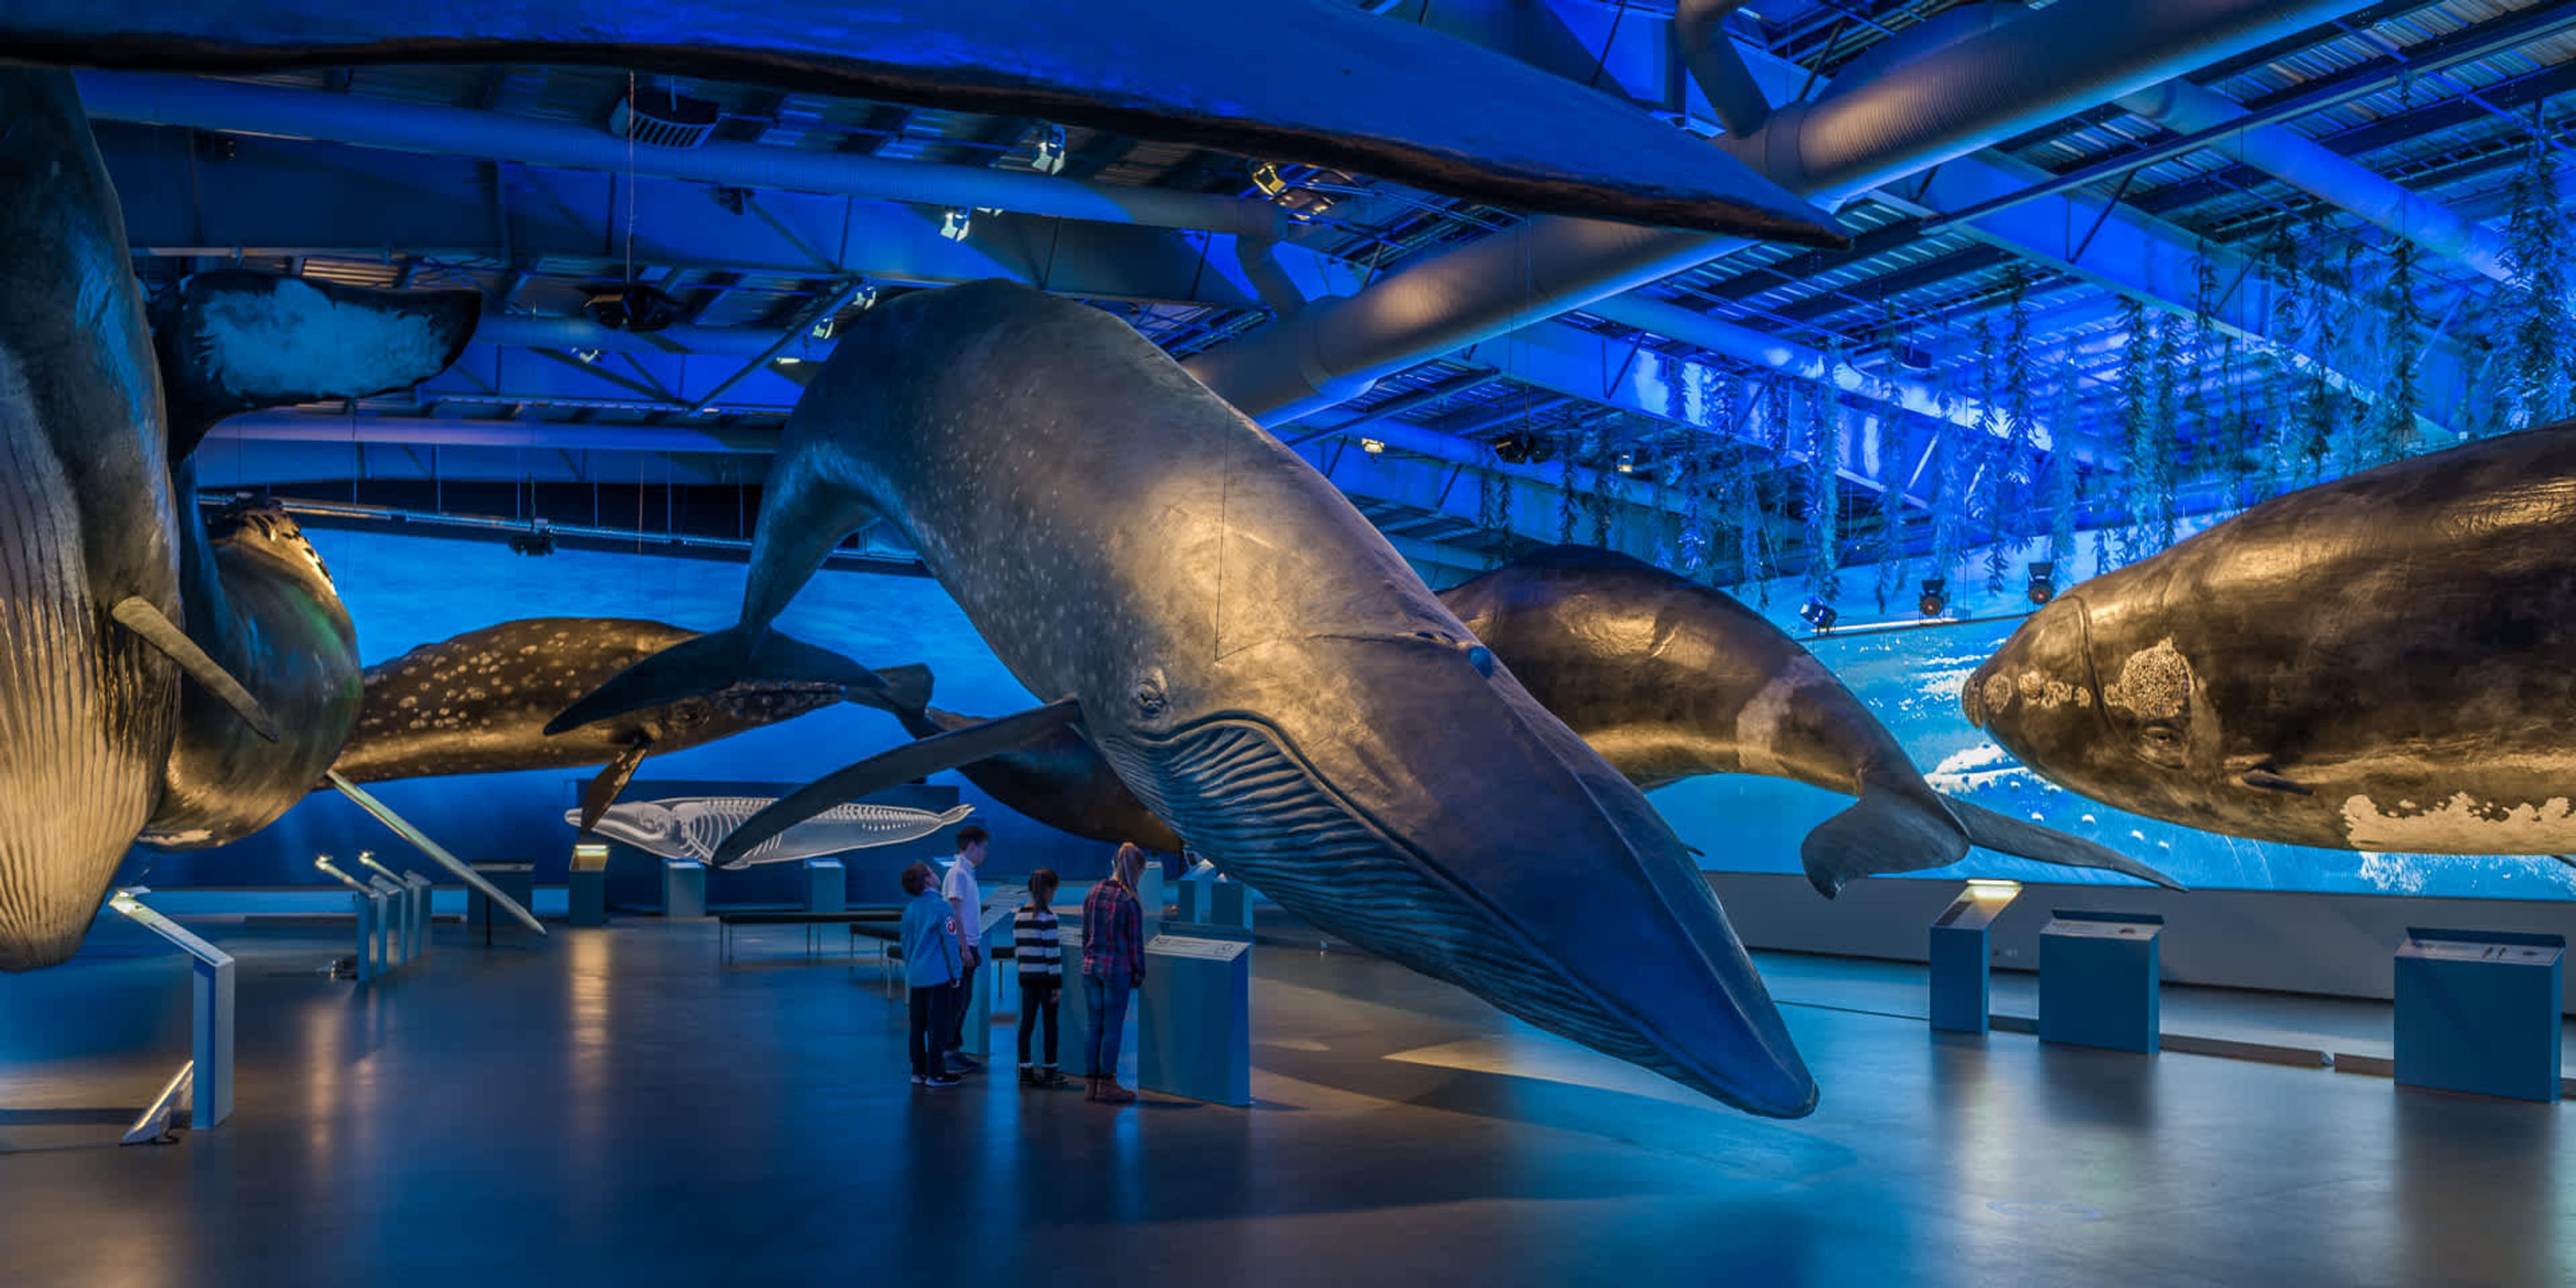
(438,853)
(2005,834)
(886,769)
(1893,827)
(2262,777)
(140,617)
(709,663)
(906,690)
(601,792)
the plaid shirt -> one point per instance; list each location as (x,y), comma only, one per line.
(1113,934)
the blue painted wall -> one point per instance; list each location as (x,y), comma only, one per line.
(405,591)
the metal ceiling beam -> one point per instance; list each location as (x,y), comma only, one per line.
(291,197)
(234,107)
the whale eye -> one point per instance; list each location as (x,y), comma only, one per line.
(2162,744)
(1150,698)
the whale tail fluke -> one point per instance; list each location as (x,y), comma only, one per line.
(906,691)
(1896,826)
(709,663)
(2005,834)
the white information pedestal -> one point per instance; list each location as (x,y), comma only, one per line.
(205,1083)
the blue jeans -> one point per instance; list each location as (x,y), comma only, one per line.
(1108,1002)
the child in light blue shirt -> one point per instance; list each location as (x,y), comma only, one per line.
(932,962)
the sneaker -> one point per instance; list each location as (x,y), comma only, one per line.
(963,1063)
(1029,1076)
(942,1080)
(1051,1077)
(1113,1094)
(917,1080)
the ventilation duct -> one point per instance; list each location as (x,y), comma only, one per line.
(664,120)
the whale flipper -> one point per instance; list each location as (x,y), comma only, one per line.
(601,792)
(906,691)
(2005,834)
(709,663)
(438,853)
(135,615)
(1896,826)
(234,340)
(887,768)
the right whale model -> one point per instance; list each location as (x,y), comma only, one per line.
(1255,662)
(2382,662)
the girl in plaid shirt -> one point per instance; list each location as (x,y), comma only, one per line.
(1113,964)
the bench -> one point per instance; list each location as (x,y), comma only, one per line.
(813,922)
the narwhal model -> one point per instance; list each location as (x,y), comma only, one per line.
(112,589)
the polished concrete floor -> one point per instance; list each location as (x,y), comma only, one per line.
(610,1106)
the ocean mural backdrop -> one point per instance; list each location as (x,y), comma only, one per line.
(404,591)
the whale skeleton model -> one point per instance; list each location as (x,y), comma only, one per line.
(694,827)
(1255,662)
(2379,663)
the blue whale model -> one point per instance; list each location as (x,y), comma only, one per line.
(1255,662)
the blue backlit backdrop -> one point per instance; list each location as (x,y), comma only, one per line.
(406,591)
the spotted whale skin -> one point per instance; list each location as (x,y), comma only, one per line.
(2381,662)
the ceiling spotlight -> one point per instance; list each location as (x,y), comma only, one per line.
(1817,613)
(788,360)
(2043,581)
(1627,463)
(586,356)
(1517,448)
(1051,153)
(1265,176)
(955,222)
(1373,447)
(537,540)
(822,329)
(864,298)
(631,307)
(1909,358)
(1936,596)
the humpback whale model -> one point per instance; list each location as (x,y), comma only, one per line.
(2382,662)
(1256,662)
(1315,81)
(478,703)
(110,586)
(693,827)
(1667,679)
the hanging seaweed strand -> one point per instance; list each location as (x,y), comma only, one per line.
(2137,467)
(2059,487)
(2534,310)
(1822,446)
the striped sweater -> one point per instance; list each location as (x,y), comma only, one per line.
(1034,946)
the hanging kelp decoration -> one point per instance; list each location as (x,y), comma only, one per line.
(1567,445)
(1606,455)
(2059,488)
(2136,403)
(2166,478)
(2197,430)
(1494,508)
(2534,308)
(1822,447)
(2021,438)
(2400,350)
(1988,498)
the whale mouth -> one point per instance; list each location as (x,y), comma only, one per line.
(1245,799)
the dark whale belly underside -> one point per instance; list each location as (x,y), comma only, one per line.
(1244,802)
(86,714)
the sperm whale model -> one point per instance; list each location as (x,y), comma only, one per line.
(693,827)
(478,703)
(1669,679)
(1321,82)
(1255,662)
(2379,663)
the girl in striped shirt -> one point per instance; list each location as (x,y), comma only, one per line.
(1041,961)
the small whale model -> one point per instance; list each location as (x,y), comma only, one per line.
(1669,679)
(2382,662)
(478,703)
(1255,663)
(694,827)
